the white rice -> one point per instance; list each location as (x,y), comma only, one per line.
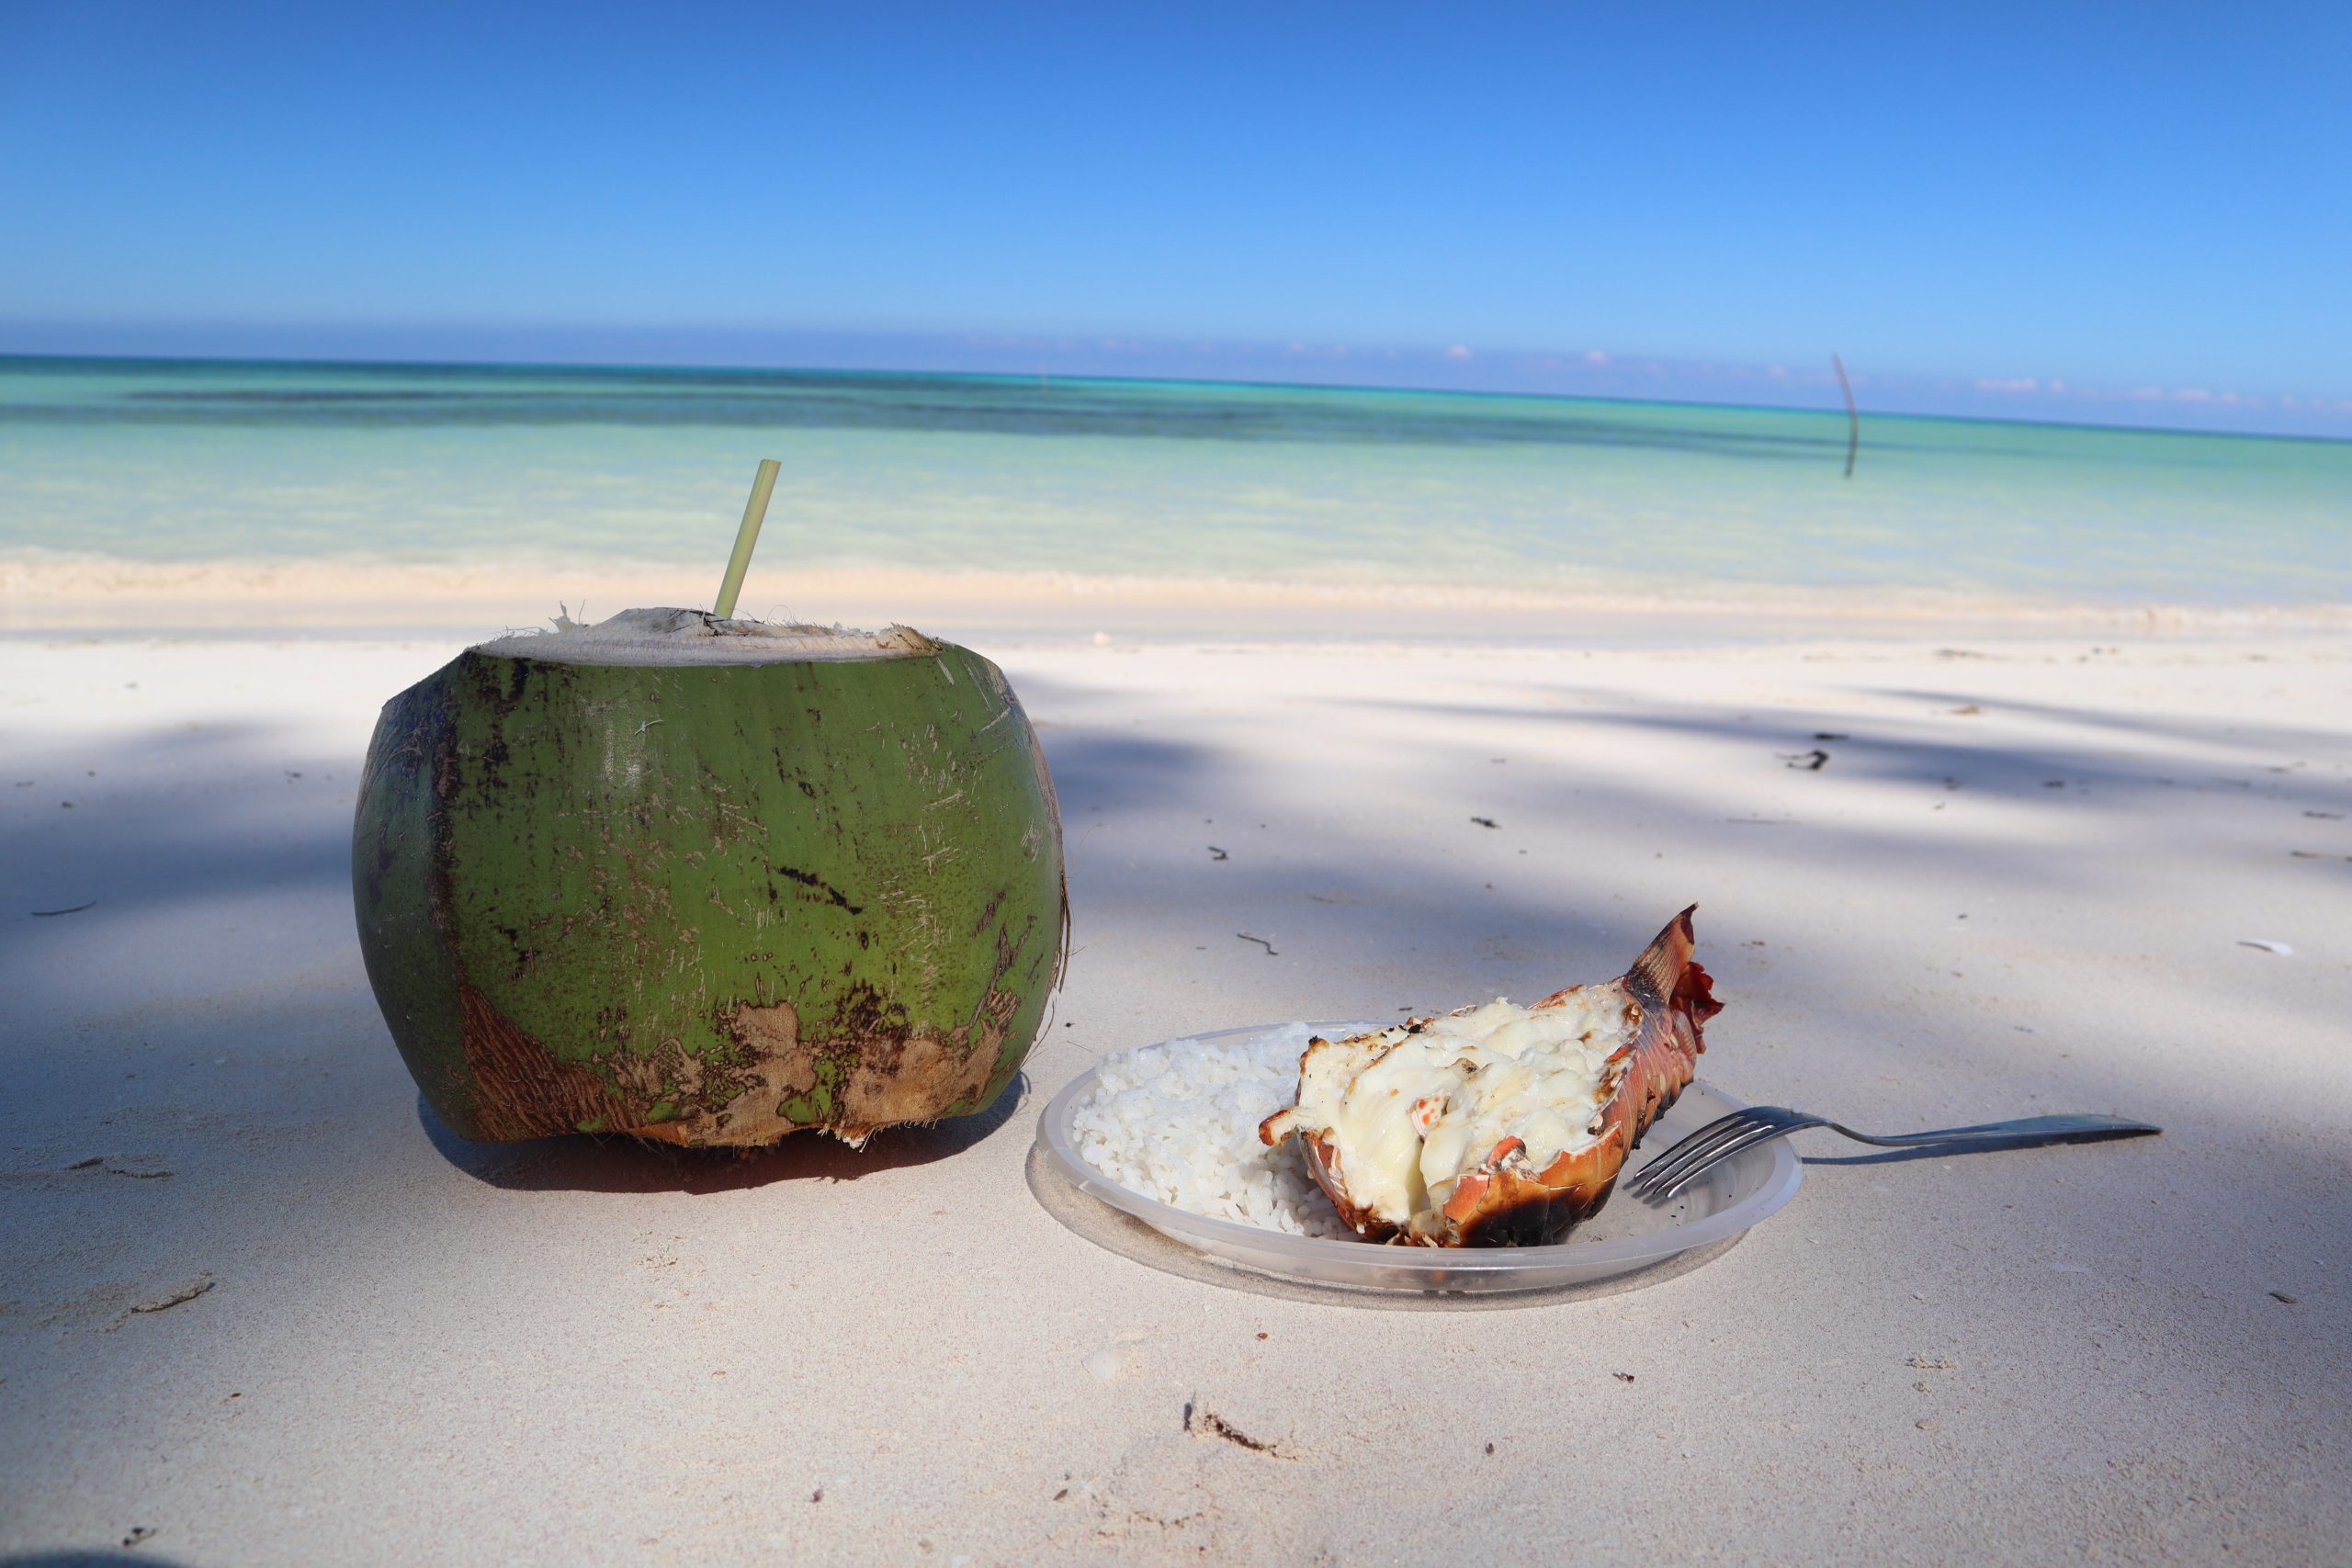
(1178,1122)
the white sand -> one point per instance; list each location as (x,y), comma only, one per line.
(417,1350)
(61,592)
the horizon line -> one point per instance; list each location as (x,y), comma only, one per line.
(9,356)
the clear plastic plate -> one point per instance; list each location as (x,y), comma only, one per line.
(1626,1238)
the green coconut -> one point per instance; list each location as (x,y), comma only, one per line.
(709,881)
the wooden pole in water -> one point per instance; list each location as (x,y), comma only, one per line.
(756,512)
(1853,420)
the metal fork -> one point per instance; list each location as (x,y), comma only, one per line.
(1670,1172)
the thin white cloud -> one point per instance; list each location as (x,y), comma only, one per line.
(1457,353)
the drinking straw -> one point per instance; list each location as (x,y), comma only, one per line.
(756,512)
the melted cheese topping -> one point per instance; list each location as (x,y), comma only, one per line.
(1409,1108)
(1378,1122)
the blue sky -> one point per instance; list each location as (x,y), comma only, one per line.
(2147,205)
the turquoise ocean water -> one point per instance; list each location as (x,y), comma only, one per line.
(487,465)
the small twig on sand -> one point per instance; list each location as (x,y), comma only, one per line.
(1205,1423)
(1853,418)
(1261,942)
(173,1297)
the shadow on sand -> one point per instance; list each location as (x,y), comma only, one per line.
(584,1163)
(234,817)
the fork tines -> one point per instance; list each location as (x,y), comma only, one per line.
(1664,1175)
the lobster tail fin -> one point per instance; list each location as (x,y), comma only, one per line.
(1666,975)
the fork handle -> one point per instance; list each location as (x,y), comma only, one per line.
(2024,1132)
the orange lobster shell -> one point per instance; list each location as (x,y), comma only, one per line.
(1503,1200)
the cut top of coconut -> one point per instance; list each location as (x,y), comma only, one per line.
(665,636)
